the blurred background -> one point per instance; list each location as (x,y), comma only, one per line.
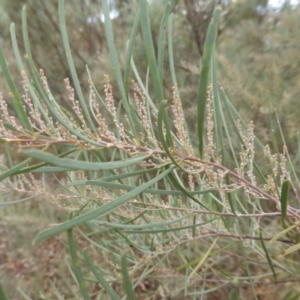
(258,56)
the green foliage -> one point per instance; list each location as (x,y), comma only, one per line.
(2,293)
(284,199)
(76,265)
(204,75)
(155,219)
(262,78)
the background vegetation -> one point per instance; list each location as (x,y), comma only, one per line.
(258,66)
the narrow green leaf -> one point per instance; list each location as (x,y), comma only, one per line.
(284,199)
(3,295)
(150,53)
(248,271)
(208,50)
(231,117)
(129,174)
(113,185)
(171,62)
(115,62)
(282,233)
(101,210)
(129,52)
(23,294)
(203,259)
(76,266)
(17,101)
(160,124)
(175,229)
(228,195)
(161,41)
(127,285)
(141,226)
(10,127)
(218,134)
(194,225)
(227,137)
(289,250)
(6,203)
(65,39)
(143,87)
(73,164)
(16,48)
(291,165)
(99,276)
(38,168)
(170,48)
(234,294)
(14,170)
(51,169)
(57,293)
(267,254)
